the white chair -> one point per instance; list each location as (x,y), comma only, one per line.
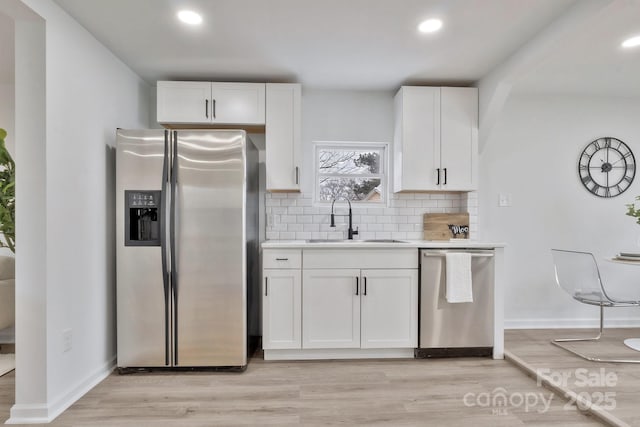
(577,273)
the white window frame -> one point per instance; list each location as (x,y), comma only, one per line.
(355,145)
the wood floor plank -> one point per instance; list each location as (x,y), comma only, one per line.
(582,376)
(315,393)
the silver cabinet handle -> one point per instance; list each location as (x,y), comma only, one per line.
(297,175)
(163,247)
(282,259)
(266,286)
(214,108)
(206,108)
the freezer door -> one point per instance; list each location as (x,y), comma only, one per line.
(210,266)
(140,297)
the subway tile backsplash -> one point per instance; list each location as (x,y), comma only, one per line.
(293,216)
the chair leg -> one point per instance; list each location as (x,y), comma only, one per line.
(557,342)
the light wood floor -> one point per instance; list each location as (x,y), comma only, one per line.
(621,381)
(371,392)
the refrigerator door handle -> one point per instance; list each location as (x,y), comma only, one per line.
(163,247)
(172,244)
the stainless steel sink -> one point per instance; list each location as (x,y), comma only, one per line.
(354,241)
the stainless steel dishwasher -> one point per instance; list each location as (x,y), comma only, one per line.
(460,329)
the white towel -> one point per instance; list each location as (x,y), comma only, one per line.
(458,277)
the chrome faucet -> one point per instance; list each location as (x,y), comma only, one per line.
(350,231)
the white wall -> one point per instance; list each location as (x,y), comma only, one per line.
(89,93)
(532,154)
(31,259)
(7,108)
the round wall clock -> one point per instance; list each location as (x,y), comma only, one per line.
(606,167)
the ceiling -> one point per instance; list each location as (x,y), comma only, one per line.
(363,44)
(355,44)
(590,59)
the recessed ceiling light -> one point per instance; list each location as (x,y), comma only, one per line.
(430,26)
(631,42)
(190,17)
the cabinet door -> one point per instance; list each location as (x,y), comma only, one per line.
(459,138)
(417,139)
(237,103)
(282,139)
(389,308)
(331,308)
(281,304)
(184,102)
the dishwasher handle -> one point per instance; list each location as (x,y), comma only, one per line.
(474,254)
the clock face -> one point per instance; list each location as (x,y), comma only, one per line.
(607,167)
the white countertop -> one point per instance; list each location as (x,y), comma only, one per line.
(440,244)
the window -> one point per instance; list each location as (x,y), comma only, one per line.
(352,170)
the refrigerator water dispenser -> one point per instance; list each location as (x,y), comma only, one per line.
(142,218)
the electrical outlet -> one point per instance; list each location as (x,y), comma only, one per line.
(504,199)
(67,340)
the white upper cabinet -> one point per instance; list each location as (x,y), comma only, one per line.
(436,139)
(459,138)
(282,139)
(211,103)
(183,102)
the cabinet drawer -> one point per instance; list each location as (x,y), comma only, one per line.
(282,258)
(361,258)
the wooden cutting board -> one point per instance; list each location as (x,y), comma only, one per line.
(439,226)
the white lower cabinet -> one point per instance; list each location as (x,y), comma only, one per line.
(281,309)
(281,299)
(339,303)
(331,308)
(352,308)
(389,308)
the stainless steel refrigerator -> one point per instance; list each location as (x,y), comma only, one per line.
(187,248)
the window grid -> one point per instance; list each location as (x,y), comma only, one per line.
(352,151)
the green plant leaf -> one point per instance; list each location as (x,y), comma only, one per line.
(7,195)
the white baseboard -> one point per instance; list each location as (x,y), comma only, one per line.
(45,413)
(569,323)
